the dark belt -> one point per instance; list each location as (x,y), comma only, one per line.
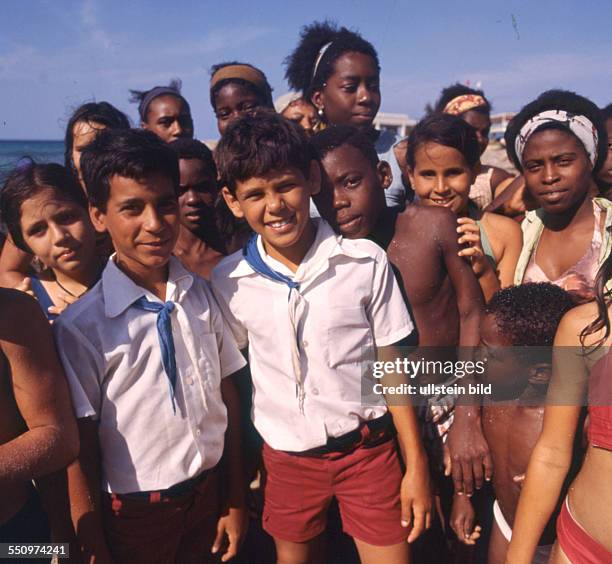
(175,491)
(369,434)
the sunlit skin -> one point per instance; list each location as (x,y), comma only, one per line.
(604,176)
(481,122)
(351,95)
(232,102)
(143,220)
(352,196)
(277,207)
(83,133)
(199,246)
(59,232)
(302,113)
(169,118)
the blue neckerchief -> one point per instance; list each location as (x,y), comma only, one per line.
(254,260)
(166,342)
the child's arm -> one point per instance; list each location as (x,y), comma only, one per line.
(462,520)
(234,521)
(14,265)
(415,493)
(84,485)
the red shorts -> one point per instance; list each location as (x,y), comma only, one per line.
(365,481)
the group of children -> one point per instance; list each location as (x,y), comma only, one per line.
(243,293)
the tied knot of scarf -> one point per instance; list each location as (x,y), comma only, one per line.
(166,342)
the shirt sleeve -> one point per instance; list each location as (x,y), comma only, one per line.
(83,366)
(219,288)
(387,312)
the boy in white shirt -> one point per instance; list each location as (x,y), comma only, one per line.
(308,304)
(147,356)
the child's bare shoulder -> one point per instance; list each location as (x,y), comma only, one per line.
(502,225)
(425,222)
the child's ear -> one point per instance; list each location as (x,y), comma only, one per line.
(410,173)
(232,202)
(98,218)
(317,100)
(314,177)
(384,174)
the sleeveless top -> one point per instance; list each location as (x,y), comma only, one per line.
(600,403)
(582,273)
(396,194)
(43,298)
(481,192)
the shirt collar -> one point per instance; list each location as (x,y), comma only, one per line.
(327,245)
(120,291)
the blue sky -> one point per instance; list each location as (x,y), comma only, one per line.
(56,54)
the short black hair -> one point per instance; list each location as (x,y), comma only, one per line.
(336,136)
(193,149)
(29,179)
(264,94)
(529,314)
(132,153)
(300,64)
(557,100)
(447,130)
(451,92)
(92,112)
(255,145)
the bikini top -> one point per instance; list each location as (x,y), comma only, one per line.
(583,273)
(43,298)
(600,403)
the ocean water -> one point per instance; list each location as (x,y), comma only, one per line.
(40,151)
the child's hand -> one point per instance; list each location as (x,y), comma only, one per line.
(447,460)
(234,524)
(416,499)
(469,233)
(26,286)
(462,520)
(64,301)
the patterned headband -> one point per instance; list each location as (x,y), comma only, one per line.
(578,124)
(464,103)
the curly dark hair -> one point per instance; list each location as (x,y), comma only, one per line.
(337,135)
(193,149)
(557,100)
(300,64)
(92,112)
(255,145)
(457,89)
(264,94)
(530,313)
(447,130)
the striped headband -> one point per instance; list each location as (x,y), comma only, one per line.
(464,103)
(579,125)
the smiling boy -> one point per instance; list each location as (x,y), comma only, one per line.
(148,357)
(307,303)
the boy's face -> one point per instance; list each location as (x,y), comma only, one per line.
(442,177)
(352,191)
(277,206)
(142,217)
(197,194)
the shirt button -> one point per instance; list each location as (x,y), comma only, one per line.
(315,391)
(198,432)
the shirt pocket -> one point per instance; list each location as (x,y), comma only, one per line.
(349,336)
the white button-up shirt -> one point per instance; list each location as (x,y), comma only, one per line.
(111,354)
(350,301)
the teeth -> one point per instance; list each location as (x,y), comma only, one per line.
(278,224)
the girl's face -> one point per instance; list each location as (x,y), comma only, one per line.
(302,113)
(442,177)
(557,170)
(234,101)
(351,95)
(58,231)
(83,133)
(482,124)
(169,118)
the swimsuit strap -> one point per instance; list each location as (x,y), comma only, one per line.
(43,298)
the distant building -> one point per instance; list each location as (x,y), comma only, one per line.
(398,123)
(499,122)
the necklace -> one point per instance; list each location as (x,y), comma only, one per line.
(77,296)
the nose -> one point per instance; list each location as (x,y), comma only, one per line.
(275,202)
(192,197)
(153,221)
(440,185)
(59,233)
(364,96)
(340,200)
(177,129)
(550,173)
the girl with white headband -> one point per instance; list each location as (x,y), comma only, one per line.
(558,142)
(338,70)
(472,106)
